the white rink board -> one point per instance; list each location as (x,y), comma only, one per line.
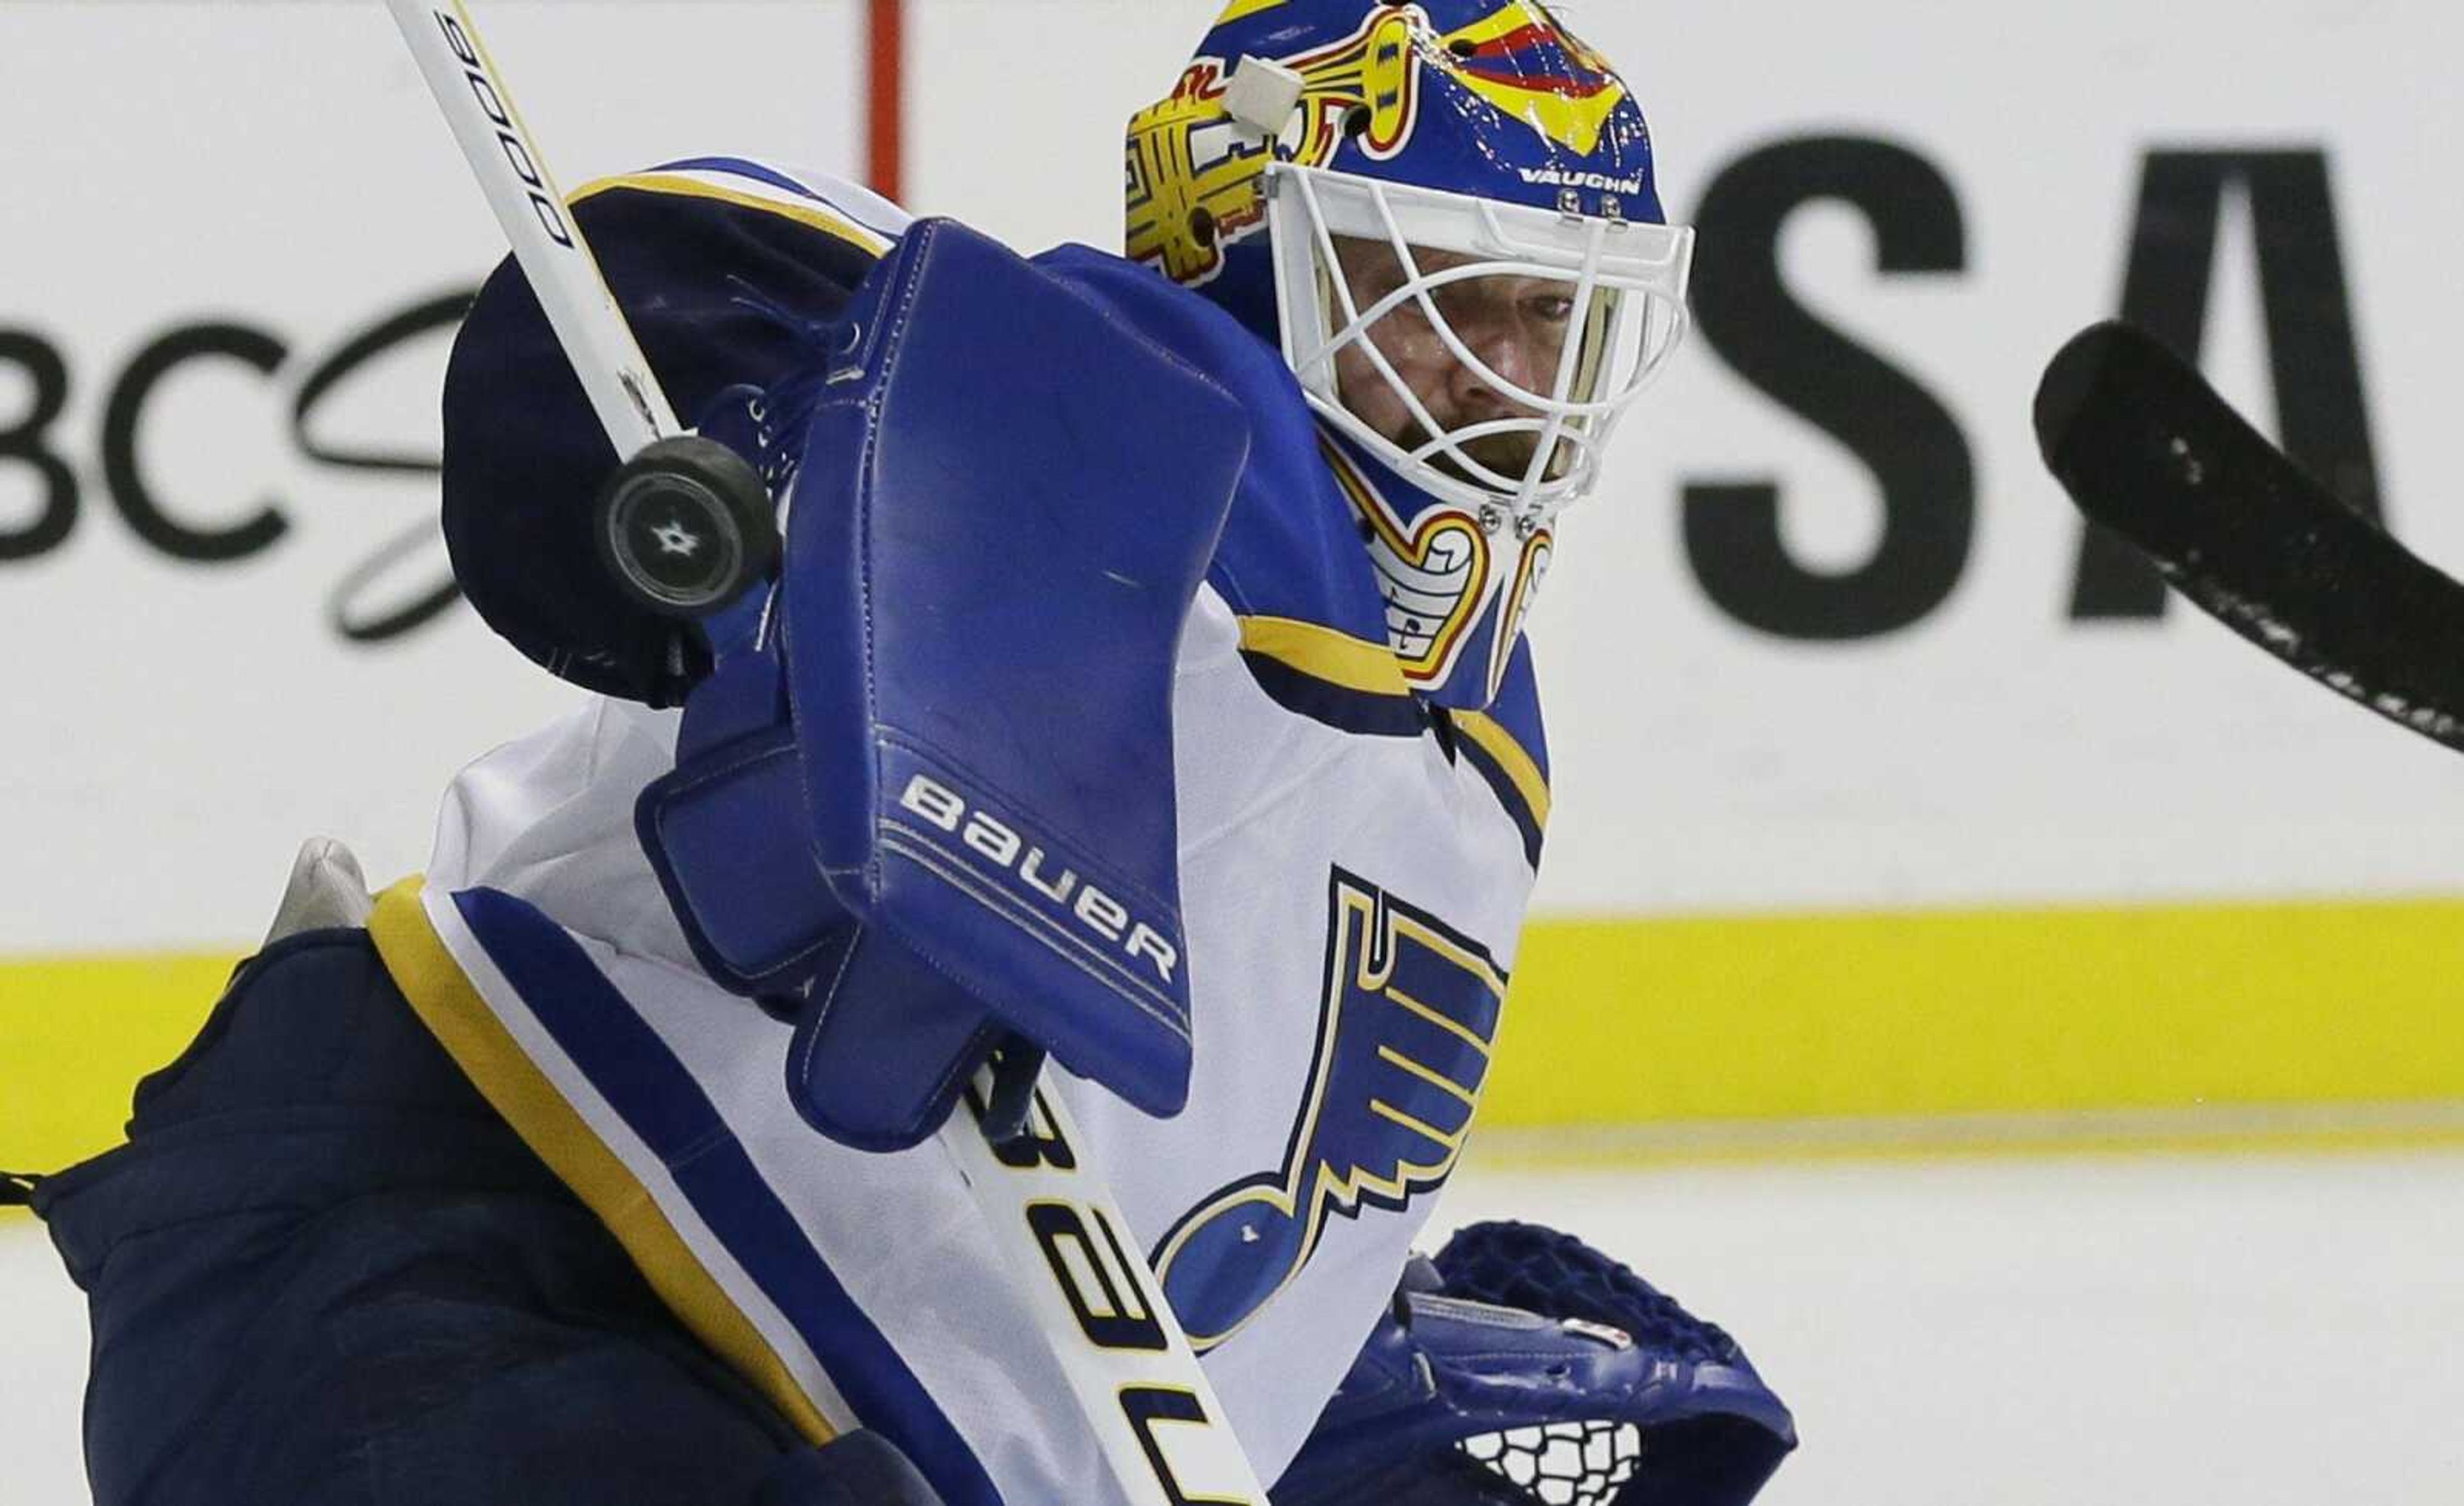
(2264,1332)
(178,727)
(281,166)
(1992,754)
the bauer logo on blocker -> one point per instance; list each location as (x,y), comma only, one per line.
(989,836)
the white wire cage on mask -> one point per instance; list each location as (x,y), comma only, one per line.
(1622,283)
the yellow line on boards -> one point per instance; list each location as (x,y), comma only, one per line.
(76,1034)
(1665,1020)
(2323,1129)
(1750,1037)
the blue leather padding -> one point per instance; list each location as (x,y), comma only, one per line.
(721,834)
(1292,547)
(832,692)
(722,830)
(1004,511)
(884,1046)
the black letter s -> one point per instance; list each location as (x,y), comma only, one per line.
(1901,431)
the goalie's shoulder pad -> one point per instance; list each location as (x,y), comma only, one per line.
(1522,1354)
(720,266)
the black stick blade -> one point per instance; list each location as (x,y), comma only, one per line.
(2147,449)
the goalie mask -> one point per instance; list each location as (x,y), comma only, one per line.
(1445,213)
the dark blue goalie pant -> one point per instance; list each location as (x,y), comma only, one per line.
(324,1270)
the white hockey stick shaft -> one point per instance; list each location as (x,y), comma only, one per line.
(513,172)
(1072,1257)
(1051,1213)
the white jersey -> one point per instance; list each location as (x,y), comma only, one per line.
(1353,870)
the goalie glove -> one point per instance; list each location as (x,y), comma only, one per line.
(1524,1368)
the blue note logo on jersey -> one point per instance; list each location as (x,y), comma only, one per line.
(1405,1026)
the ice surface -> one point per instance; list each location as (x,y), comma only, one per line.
(2268,1331)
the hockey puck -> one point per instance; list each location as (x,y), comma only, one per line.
(685,526)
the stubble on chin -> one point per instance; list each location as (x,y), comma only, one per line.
(1508,454)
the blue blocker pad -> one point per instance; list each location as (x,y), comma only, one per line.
(964,828)
(722,833)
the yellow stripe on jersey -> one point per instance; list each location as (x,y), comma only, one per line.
(815,215)
(512,1083)
(1323,653)
(1519,766)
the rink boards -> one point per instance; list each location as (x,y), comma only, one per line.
(1881,795)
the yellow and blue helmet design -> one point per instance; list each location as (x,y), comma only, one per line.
(1471,151)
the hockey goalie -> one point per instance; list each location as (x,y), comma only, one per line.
(1140,689)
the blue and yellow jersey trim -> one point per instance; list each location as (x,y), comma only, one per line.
(1518,779)
(577,1025)
(831,228)
(748,185)
(1330,677)
(1357,686)
(477,1040)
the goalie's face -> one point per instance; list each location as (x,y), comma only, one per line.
(1517,327)
(1481,349)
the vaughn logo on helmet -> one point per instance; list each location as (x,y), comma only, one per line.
(1559,178)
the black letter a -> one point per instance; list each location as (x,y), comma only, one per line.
(2321,416)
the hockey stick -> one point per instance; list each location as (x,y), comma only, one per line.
(670,480)
(1040,1193)
(2147,449)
